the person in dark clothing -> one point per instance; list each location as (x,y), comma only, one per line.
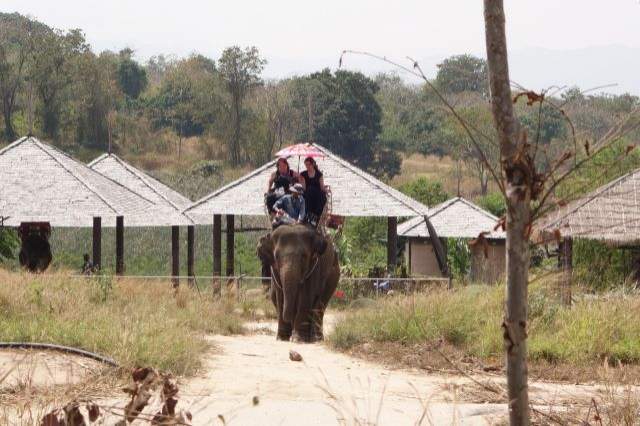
(279,183)
(315,191)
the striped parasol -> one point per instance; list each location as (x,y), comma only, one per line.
(300,150)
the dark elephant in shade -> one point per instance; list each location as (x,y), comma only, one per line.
(305,273)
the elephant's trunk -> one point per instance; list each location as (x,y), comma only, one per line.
(290,285)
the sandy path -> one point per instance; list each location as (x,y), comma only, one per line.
(326,387)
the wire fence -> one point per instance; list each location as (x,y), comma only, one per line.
(243,286)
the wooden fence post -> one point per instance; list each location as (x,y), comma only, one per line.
(175,255)
(230,244)
(97,242)
(119,245)
(392,244)
(217,253)
(191,237)
(565,251)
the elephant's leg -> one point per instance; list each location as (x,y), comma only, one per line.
(302,326)
(318,317)
(284,328)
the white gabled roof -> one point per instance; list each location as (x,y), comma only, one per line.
(169,204)
(611,214)
(455,218)
(39,183)
(354,193)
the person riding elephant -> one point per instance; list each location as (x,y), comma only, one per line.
(305,273)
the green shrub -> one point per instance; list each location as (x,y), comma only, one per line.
(494,203)
(9,243)
(426,191)
(599,267)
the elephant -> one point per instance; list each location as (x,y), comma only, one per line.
(305,273)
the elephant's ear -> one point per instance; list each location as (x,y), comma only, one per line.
(265,249)
(319,244)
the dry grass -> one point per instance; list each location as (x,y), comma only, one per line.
(137,325)
(465,325)
(440,169)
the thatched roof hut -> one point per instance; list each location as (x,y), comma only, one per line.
(354,193)
(169,204)
(40,183)
(610,214)
(455,218)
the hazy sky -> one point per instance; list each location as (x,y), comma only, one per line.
(302,36)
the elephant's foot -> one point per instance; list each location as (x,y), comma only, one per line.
(302,337)
(296,338)
(284,332)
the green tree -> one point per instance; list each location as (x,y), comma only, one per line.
(132,78)
(240,70)
(426,191)
(187,99)
(16,45)
(345,117)
(463,73)
(462,148)
(51,71)
(410,120)
(94,99)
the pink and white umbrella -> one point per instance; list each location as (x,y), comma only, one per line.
(303,150)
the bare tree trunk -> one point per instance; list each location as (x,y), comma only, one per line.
(518,199)
(9,132)
(235,149)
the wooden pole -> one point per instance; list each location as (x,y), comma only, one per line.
(230,244)
(191,237)
(566,253)
(119,245)
(97,242)
(392,244)
(175,255)
(217,252)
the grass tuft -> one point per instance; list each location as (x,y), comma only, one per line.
(594,329)
(137,324)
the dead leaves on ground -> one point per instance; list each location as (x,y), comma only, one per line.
(149,388)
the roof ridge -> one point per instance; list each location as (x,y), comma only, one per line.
(141,176)
(14,144)
(84,165)
(419,220)
(37,143)
(230,185)
(479,209)
(98,159)
(589,197)
(373,180)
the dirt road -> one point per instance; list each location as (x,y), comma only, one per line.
(328,388)
(250,380)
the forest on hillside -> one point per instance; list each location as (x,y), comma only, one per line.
(52,84)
